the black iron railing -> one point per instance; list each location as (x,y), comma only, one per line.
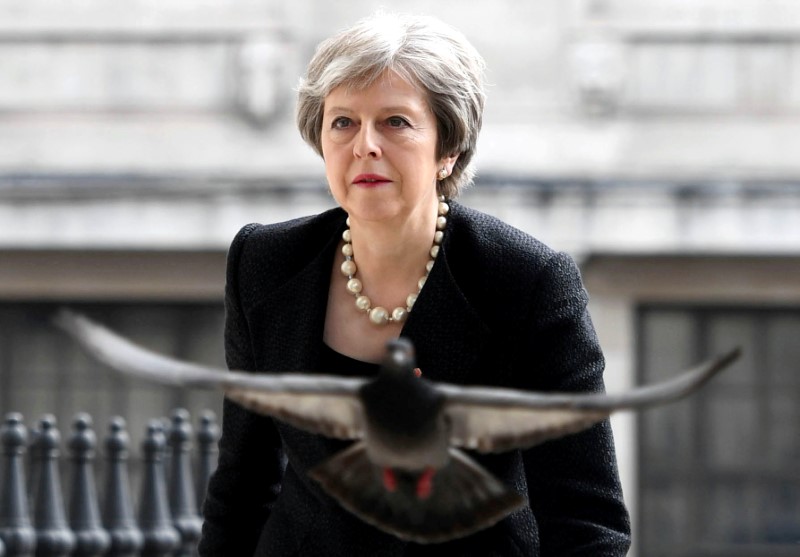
(34,520)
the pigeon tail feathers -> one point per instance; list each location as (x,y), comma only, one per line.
(463,498)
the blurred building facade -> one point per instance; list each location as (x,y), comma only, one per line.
(654,140)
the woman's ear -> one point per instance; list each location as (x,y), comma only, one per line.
(449,162)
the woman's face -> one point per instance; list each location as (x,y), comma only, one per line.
(379,146)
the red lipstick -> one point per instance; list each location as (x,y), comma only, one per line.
(370,180)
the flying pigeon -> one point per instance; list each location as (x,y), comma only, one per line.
(408,477)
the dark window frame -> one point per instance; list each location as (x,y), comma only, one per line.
(698,478)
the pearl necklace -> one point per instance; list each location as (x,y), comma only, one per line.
(380,315)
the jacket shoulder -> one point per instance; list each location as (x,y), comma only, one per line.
(288,234)
(262,256)
(500,247)
(501,268)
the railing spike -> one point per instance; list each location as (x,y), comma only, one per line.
(91,540)
(160,538)
(16,532)
(53,536)
(181,487)
(207,437)
(118,515)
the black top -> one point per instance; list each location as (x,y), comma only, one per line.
(332,362)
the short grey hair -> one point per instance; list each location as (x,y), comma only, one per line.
(425,52)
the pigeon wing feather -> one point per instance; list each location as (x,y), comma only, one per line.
(322,404)
(496,420)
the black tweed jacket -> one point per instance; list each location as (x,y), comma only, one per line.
(499,308)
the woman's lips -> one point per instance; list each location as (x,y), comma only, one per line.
(370,180)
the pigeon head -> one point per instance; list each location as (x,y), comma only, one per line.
(399,356)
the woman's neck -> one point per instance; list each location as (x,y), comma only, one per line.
(391,256)
(391,250)
(390,260)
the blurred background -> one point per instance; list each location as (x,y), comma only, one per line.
(654,140)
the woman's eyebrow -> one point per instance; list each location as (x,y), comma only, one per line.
(338,109)
(400,108)
(397,108)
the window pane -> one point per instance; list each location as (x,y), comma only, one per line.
(781,521)
(783,430)
(731,433)
(726,331)
(668,339)
(667,512)
(783,350)
(35,354)
(670,435)
(731,513)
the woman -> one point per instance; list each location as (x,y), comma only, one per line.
(394,107)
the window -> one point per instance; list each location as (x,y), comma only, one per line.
(718,472)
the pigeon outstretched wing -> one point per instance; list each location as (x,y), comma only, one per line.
(322,404)
(484,419)
(495,420)
(417,502)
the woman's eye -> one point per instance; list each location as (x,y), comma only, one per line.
(340,123)
(397,122)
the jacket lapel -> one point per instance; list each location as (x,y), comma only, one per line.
(447,332)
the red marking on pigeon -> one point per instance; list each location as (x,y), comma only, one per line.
(425,483)
(389,480)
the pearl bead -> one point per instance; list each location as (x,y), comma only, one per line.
(444,208)
(399,314)
(347,250)
(363,303)
(379,315)
(434,251)
(349,268)
(421,282)
(410,301)
(441,223)
(429,265)
(346,236)
(354,285)
(437,237)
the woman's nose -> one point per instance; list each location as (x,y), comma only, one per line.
(367,143)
